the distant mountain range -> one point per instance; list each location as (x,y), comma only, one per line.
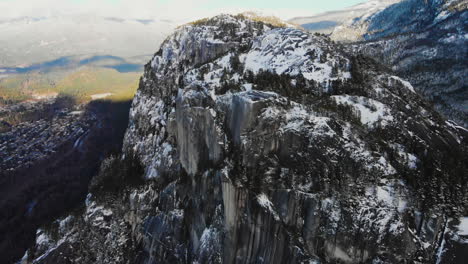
(77,55)
(105,61)
(33,40)
(326,22)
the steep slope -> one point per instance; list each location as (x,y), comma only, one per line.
(424,42)
(270,145)
(326,22)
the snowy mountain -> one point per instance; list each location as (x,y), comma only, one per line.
(423,41)
(404,17)
(326,22)
(28,40)
(249,143)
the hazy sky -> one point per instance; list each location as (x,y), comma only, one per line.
(168,9)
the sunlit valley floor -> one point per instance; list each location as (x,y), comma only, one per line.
(58,121)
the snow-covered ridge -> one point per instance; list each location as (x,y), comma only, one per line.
(282,51)
(293,52)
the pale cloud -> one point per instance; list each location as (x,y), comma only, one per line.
(178,10)
(123,8)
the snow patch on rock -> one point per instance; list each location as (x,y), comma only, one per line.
(370,110)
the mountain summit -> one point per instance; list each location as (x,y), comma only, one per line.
(250,143)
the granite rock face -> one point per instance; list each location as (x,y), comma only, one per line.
(272,145)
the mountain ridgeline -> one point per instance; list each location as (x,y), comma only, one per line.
(328,21)
(424,41)
(249,143)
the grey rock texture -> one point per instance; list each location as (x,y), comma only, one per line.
(272,145)
(423,41)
